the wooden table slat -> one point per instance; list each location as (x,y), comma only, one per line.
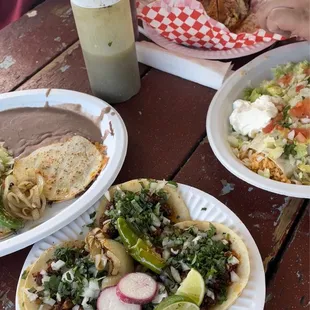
(31,42)
(290,286)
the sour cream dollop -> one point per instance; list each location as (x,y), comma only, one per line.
(249,118)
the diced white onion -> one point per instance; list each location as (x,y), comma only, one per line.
(305,120)
(45,278)
(155,219)
(166,254)
(85,304)
(49,301)
(225,241)
(232,260)
(59,264)
(92,290)
(76,307)
(291,135)
(58,297)
(184,266)
(210,294)
(161,294)
(160,185)
(175,274)
(93,284)
(152,228)
(217,237)
(196,239)
(166,221)
(234,277)
(31,296)
(43,272)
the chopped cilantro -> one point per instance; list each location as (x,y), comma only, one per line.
(92,215)
(204,209)
(32,290)
(286,122)
(110,43)
(289,149)
(91,225)
(211,231)
(25,274)
(173,183)
(53,283)
(68,255)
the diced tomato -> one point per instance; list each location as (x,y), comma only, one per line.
(286,79)
(300,138)
(269,128)
(307,71)
(304,131)
(301,109)
(299,88)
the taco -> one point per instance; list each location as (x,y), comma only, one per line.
(216,252)
(148,206)
(73,273)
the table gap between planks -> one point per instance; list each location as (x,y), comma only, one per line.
(167,139)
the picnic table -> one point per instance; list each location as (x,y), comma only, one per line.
(167,140)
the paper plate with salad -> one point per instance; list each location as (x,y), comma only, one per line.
(268,129)
(147,245)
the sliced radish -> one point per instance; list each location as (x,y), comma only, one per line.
(136,288)
(108,300)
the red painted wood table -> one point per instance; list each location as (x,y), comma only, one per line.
(166,126)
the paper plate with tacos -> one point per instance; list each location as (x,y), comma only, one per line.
(146,245)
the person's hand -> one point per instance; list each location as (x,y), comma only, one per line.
(285,17)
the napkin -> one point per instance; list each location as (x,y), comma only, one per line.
(205,72)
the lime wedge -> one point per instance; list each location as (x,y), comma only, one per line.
(182,305)
(193,287)
(175,300)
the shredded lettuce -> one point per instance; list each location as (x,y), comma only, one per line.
(276,152)
(281,70)
(251,94)
(301,66)
(301,150)
(304,168)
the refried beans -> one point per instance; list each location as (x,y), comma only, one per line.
(24,130)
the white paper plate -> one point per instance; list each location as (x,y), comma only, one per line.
(221,107)
(62,214)
(152,34)
(253,296)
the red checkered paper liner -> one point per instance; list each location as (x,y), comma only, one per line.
(186,22)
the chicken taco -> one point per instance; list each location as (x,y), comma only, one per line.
(71,275)
(148,206)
